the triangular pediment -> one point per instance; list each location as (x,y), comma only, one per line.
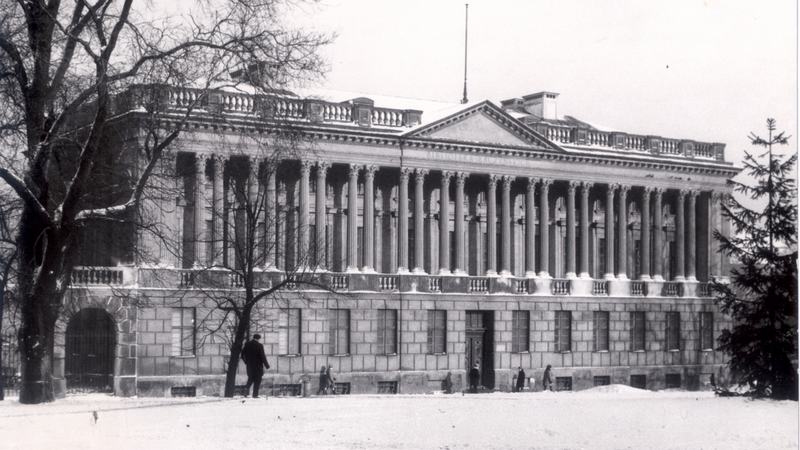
(486,124)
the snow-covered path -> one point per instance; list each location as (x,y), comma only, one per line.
(613,417)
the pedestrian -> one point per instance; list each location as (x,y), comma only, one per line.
(547,379)
(448,383)
(474,379)
(520,381)
(255,360)
(330,379)
(323,382)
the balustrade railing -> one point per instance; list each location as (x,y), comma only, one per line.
(478,285)
(521,286)
(434,284)
(560,287)
(387,283)
(637,288)
(599,287)
(235,279)
(339,282)
(672,289)
(186,278)
(704,290)
(97,275)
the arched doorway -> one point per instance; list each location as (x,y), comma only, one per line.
(90,341)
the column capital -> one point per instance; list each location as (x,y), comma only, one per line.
(369,171)
(659,191)
(693,195)
(446,174)
(419,174)
(572,186)
(682,194)
(507,180)
(461,178)
(202,156)
(648,189)
(322,167)
(611,188)
(405,172)
(493,181)
(354,169)
(531,186)
(305,167)
(624,188)
(586,186)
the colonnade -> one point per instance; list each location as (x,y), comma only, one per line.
(580,219)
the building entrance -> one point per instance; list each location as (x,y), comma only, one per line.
(480,345)
(90,343)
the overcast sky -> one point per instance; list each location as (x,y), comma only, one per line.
(710,71)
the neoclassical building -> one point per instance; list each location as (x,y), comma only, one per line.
(448,235)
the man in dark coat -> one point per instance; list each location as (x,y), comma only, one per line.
(255,359)
(547,379)
(474,379)
(330,380)
(520,381)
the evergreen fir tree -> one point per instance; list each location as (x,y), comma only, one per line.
(762,295)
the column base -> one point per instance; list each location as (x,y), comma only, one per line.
(366,269)
(444,272)
(609,276)
(622,276)
(658,278)
(403,270)
(530,274)
(680,278)
(505,273)
(351,269)
(571,275)
(545,275)
(644,278)
(491,273)
(585,276)
(459,273)
(692,278)
(418,271)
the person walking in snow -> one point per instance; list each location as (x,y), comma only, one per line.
(547,379)
(520,381)
(255,360)
(448,383)
(330,379)
(323,382)
(474,379)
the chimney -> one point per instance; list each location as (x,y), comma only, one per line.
(543,104)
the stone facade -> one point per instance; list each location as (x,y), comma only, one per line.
(589,228)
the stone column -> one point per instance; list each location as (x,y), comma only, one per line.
(658,235)
(505,227)
(320,213)
(303,215)
(584,261)
(402,221)
(571,228)
(458,223)
(645,263)
(218,210)
(530,228)
(369,218)
(270,217)
(544,228)
(610,231)
(200,210)
(444,218)
(419,221)
(352,218)
(680,242)
(691,248)
(714,269)
(491,226)
(622,233)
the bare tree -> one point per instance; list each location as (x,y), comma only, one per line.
(61,68)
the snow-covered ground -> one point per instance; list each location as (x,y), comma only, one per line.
(610,417)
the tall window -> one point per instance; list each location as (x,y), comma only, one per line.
(437,329)
(601,257)
(520,331)
(637,259)
(183,332)
(706,331)
(340,331)
(600,333)
(673,330)
(289,332)
(387,331)
(637,331)
(563,331)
